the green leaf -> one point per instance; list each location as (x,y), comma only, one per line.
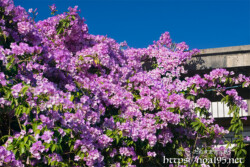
(96,60)
(71,148)
(22,148)
(25,139)
(24,89)
(243,85)
(10,63)
(72,97)
(10,147)
(53,147)
(109,132)
(117,139)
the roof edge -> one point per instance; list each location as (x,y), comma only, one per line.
(241,48)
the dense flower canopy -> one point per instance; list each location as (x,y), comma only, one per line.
(71,98)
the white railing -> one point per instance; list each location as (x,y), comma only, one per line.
(220,110)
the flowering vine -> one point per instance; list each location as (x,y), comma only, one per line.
(70,98)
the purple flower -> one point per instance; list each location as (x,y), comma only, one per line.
(77,158)
(53,8)
(47,121)
(104,140)
(124,151)
(16,89)
(70,87)
(61,131)
(2,79)
(113,153)
(151,154)
(36,149)
(7,158)
(128,151)
(47,136)
(244,118)
(232,92)
(247,138)
(24,27)
(204,103)
(30,10)
(237,99)
(204,165)
(40,127)
(136,93)
(55,157)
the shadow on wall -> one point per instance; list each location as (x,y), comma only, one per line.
(195,63)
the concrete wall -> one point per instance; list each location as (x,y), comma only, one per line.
(226,57)
(236,58)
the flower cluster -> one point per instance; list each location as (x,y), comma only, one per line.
(7,158)
(79,99)
(237,99)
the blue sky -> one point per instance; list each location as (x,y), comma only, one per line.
(200,23)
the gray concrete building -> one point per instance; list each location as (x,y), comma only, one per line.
(237,59)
